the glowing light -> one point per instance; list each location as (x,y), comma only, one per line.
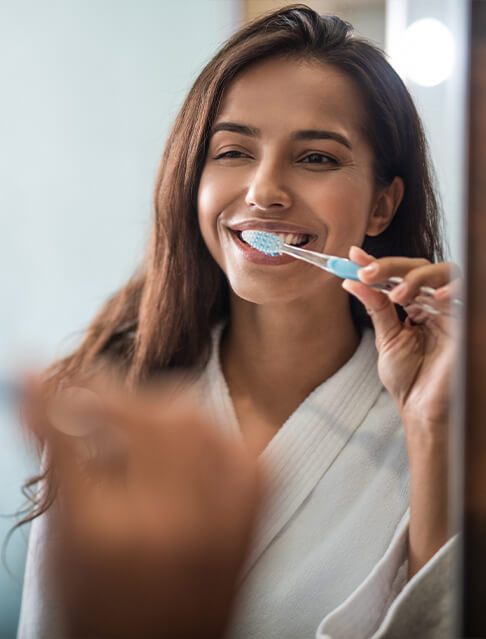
(426,54)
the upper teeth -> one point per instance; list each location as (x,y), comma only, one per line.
(292,238)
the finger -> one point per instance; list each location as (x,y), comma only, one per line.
(385,320)
(418,278)
(80,414)
(164,401)
(75,411)
(35,407)
(386,267)
(360,256)
(417,314)
(156,432)
(161,430)
(415,281)
(65,422)
(238,465)
(453,290)
(255,441)
(108,418)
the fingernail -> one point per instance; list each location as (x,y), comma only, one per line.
(371,269)
(347,285)
(442,293)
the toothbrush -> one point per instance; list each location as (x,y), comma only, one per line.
(271,244)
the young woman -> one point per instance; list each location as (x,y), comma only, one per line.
(298,128)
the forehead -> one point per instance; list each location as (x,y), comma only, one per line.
(295,93)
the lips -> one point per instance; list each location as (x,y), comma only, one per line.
(289,234)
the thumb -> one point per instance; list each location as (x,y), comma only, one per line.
(383,314)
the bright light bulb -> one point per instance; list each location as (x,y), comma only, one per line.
(426,53)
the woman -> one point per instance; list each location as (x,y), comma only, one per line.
(294,127)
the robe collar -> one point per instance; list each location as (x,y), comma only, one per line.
(311,439)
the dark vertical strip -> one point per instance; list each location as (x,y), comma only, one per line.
(474,566)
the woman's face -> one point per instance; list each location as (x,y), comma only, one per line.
(287,155)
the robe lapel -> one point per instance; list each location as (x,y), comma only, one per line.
(311,439)
(309,442)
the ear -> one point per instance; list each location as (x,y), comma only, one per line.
(386,202)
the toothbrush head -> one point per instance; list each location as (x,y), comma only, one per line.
(267,243)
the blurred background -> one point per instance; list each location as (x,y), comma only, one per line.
(89,91)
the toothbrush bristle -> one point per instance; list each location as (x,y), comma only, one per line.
(267,243)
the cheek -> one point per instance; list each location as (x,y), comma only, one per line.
(210,198)
(346,206)
(203,197)
(204,194)
(205,205)
(208,209)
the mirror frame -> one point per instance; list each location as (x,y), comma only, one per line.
(473,596)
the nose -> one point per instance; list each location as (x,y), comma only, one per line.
(267,190)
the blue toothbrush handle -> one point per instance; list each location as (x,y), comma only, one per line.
(344,268)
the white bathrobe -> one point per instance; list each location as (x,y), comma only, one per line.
(329,555)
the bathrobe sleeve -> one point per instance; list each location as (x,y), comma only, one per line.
(385,606)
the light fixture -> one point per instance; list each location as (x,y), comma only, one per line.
(426,54)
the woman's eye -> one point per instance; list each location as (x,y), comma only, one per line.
(230,155)
(318,158)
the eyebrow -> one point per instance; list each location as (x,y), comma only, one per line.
(317,134)
(236,128)
(307,134)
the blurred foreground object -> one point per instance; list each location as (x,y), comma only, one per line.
(155,514)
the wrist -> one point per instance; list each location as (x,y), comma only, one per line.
(429,515)
(428,457)
(425,434)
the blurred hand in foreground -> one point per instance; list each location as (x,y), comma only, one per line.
(155,512)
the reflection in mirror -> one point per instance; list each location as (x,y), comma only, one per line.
(264,444)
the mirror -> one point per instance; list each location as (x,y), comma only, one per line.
(89,97)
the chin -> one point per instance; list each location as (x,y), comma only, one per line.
(257,292)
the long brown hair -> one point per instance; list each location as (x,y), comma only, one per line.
(162,318)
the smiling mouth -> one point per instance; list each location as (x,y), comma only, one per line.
(294,239)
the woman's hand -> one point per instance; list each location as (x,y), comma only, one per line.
(415,362)
(415,357)
(155,511)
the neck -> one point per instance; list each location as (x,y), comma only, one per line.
(276,355)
